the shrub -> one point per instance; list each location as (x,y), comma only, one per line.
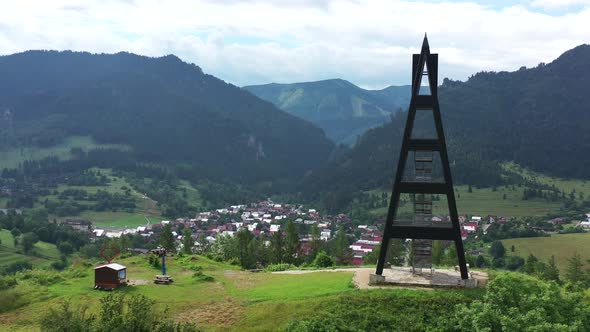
(65,318)
(516,302)
(41,277)
(7,282)
(17,267)
(323,260)
(278,267)
(58,265)
(200,276)
(117,312)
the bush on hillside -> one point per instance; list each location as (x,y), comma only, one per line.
(516,302)
(17,266)
(117,312)
(278,267)
(7,282)
(41,277)
(323,260)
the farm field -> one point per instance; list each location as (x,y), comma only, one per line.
(43,253)
(234,301)
(13,157)
(562,246)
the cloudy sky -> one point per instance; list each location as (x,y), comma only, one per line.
(251,42)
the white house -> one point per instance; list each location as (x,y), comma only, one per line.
(113,234)
(165,222)
(325,235)
(274,228)
(585,224)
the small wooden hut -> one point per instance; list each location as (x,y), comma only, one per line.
(110,276)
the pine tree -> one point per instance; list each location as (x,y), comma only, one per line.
(292,242)
(497,250)
(316,242)
(552,272)
(480,261)
(167,239)
(396,252)
(278,247)
(245,249)
(573,272)
(437,252)
(342,252)
(187,241)
(451,257)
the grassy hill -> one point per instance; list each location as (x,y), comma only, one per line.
(562,246)
(43,253)
(234,301)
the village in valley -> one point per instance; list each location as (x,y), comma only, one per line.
(265,218)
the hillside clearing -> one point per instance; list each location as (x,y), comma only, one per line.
(42,255)
(11,158)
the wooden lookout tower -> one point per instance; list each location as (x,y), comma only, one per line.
(417,173)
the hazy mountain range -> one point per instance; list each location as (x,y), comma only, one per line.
(344,110)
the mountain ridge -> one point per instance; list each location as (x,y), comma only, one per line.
(341,108)
(167,110)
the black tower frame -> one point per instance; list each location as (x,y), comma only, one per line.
(422,103)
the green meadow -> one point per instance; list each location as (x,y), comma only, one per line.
(233,300)
(562,246)
(505,200)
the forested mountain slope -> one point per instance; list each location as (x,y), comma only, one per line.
(168,111)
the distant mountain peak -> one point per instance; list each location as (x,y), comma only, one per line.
(341,108)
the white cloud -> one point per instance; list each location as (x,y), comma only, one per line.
(367,42)
(557,4)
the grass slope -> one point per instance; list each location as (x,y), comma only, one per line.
(11,158)
(119,219)
(562,246)
(43,253)
(234,301)
(486,201)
